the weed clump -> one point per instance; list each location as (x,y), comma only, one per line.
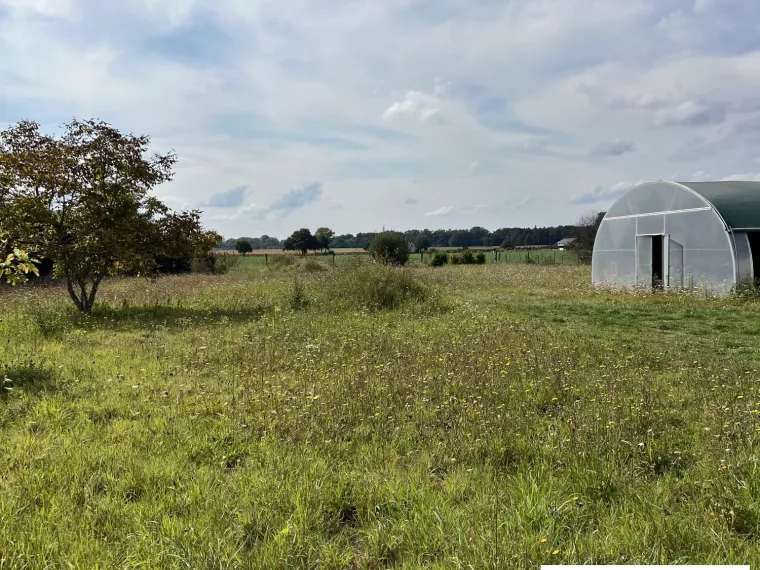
(281,261)
(214,264)
(312,266)
(298,300)
(376,287)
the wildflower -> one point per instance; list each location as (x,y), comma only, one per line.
(542,539)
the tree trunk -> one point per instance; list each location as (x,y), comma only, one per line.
(85,299)
(73,294)
(93,291)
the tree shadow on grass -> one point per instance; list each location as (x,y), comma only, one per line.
(53,324)
(146,317)
(28,377)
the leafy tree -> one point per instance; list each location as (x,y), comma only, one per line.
(389,248)
(15,265)
(458,239)
(324,237)
(301,240)
(422,243)
(508,243)
(82,200)
(243,246)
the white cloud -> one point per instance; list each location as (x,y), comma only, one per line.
(691,112)
(750,177)
(417,106)
(601,193)
(443,211)
(474,209)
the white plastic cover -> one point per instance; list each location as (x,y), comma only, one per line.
(699,251)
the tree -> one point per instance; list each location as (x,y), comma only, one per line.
(324,236)
(243,246)
(459,238)
(82,200)
(585,234)
(508,243)
(422,243)
(301,240)
(389,248)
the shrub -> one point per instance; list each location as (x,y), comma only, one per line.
(389,248)
(373,287)
(439,258)
(214,263)
(467,257)
(297,298)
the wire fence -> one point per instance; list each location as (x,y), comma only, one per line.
(542,257)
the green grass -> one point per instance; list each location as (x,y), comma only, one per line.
(473,417)
(539,257)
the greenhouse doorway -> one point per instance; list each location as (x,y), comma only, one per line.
(658,263)
(652,260)
(754,248)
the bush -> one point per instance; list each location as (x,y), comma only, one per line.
(373,287)
(389,248)
(465,258)
(214,263)
(439,259)
(480,258)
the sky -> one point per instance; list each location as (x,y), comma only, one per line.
(368,114)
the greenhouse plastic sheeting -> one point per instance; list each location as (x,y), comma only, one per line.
(697,248)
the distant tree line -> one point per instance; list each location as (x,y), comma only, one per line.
(263,242)
(425,239)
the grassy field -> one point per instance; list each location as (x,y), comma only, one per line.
(539,257)
(496,416)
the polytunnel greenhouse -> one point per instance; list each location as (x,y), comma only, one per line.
(694,235)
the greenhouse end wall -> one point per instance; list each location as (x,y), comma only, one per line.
(697,250)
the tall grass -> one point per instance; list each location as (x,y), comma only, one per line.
(204,421)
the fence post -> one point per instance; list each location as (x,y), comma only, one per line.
(266,259)
(333,256)
(422,256)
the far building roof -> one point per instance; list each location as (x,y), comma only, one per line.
(565,241)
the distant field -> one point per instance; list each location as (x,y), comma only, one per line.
(279,251)
(549,256)
(303,416)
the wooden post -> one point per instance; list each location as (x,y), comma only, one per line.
(266,259)
(333,256)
